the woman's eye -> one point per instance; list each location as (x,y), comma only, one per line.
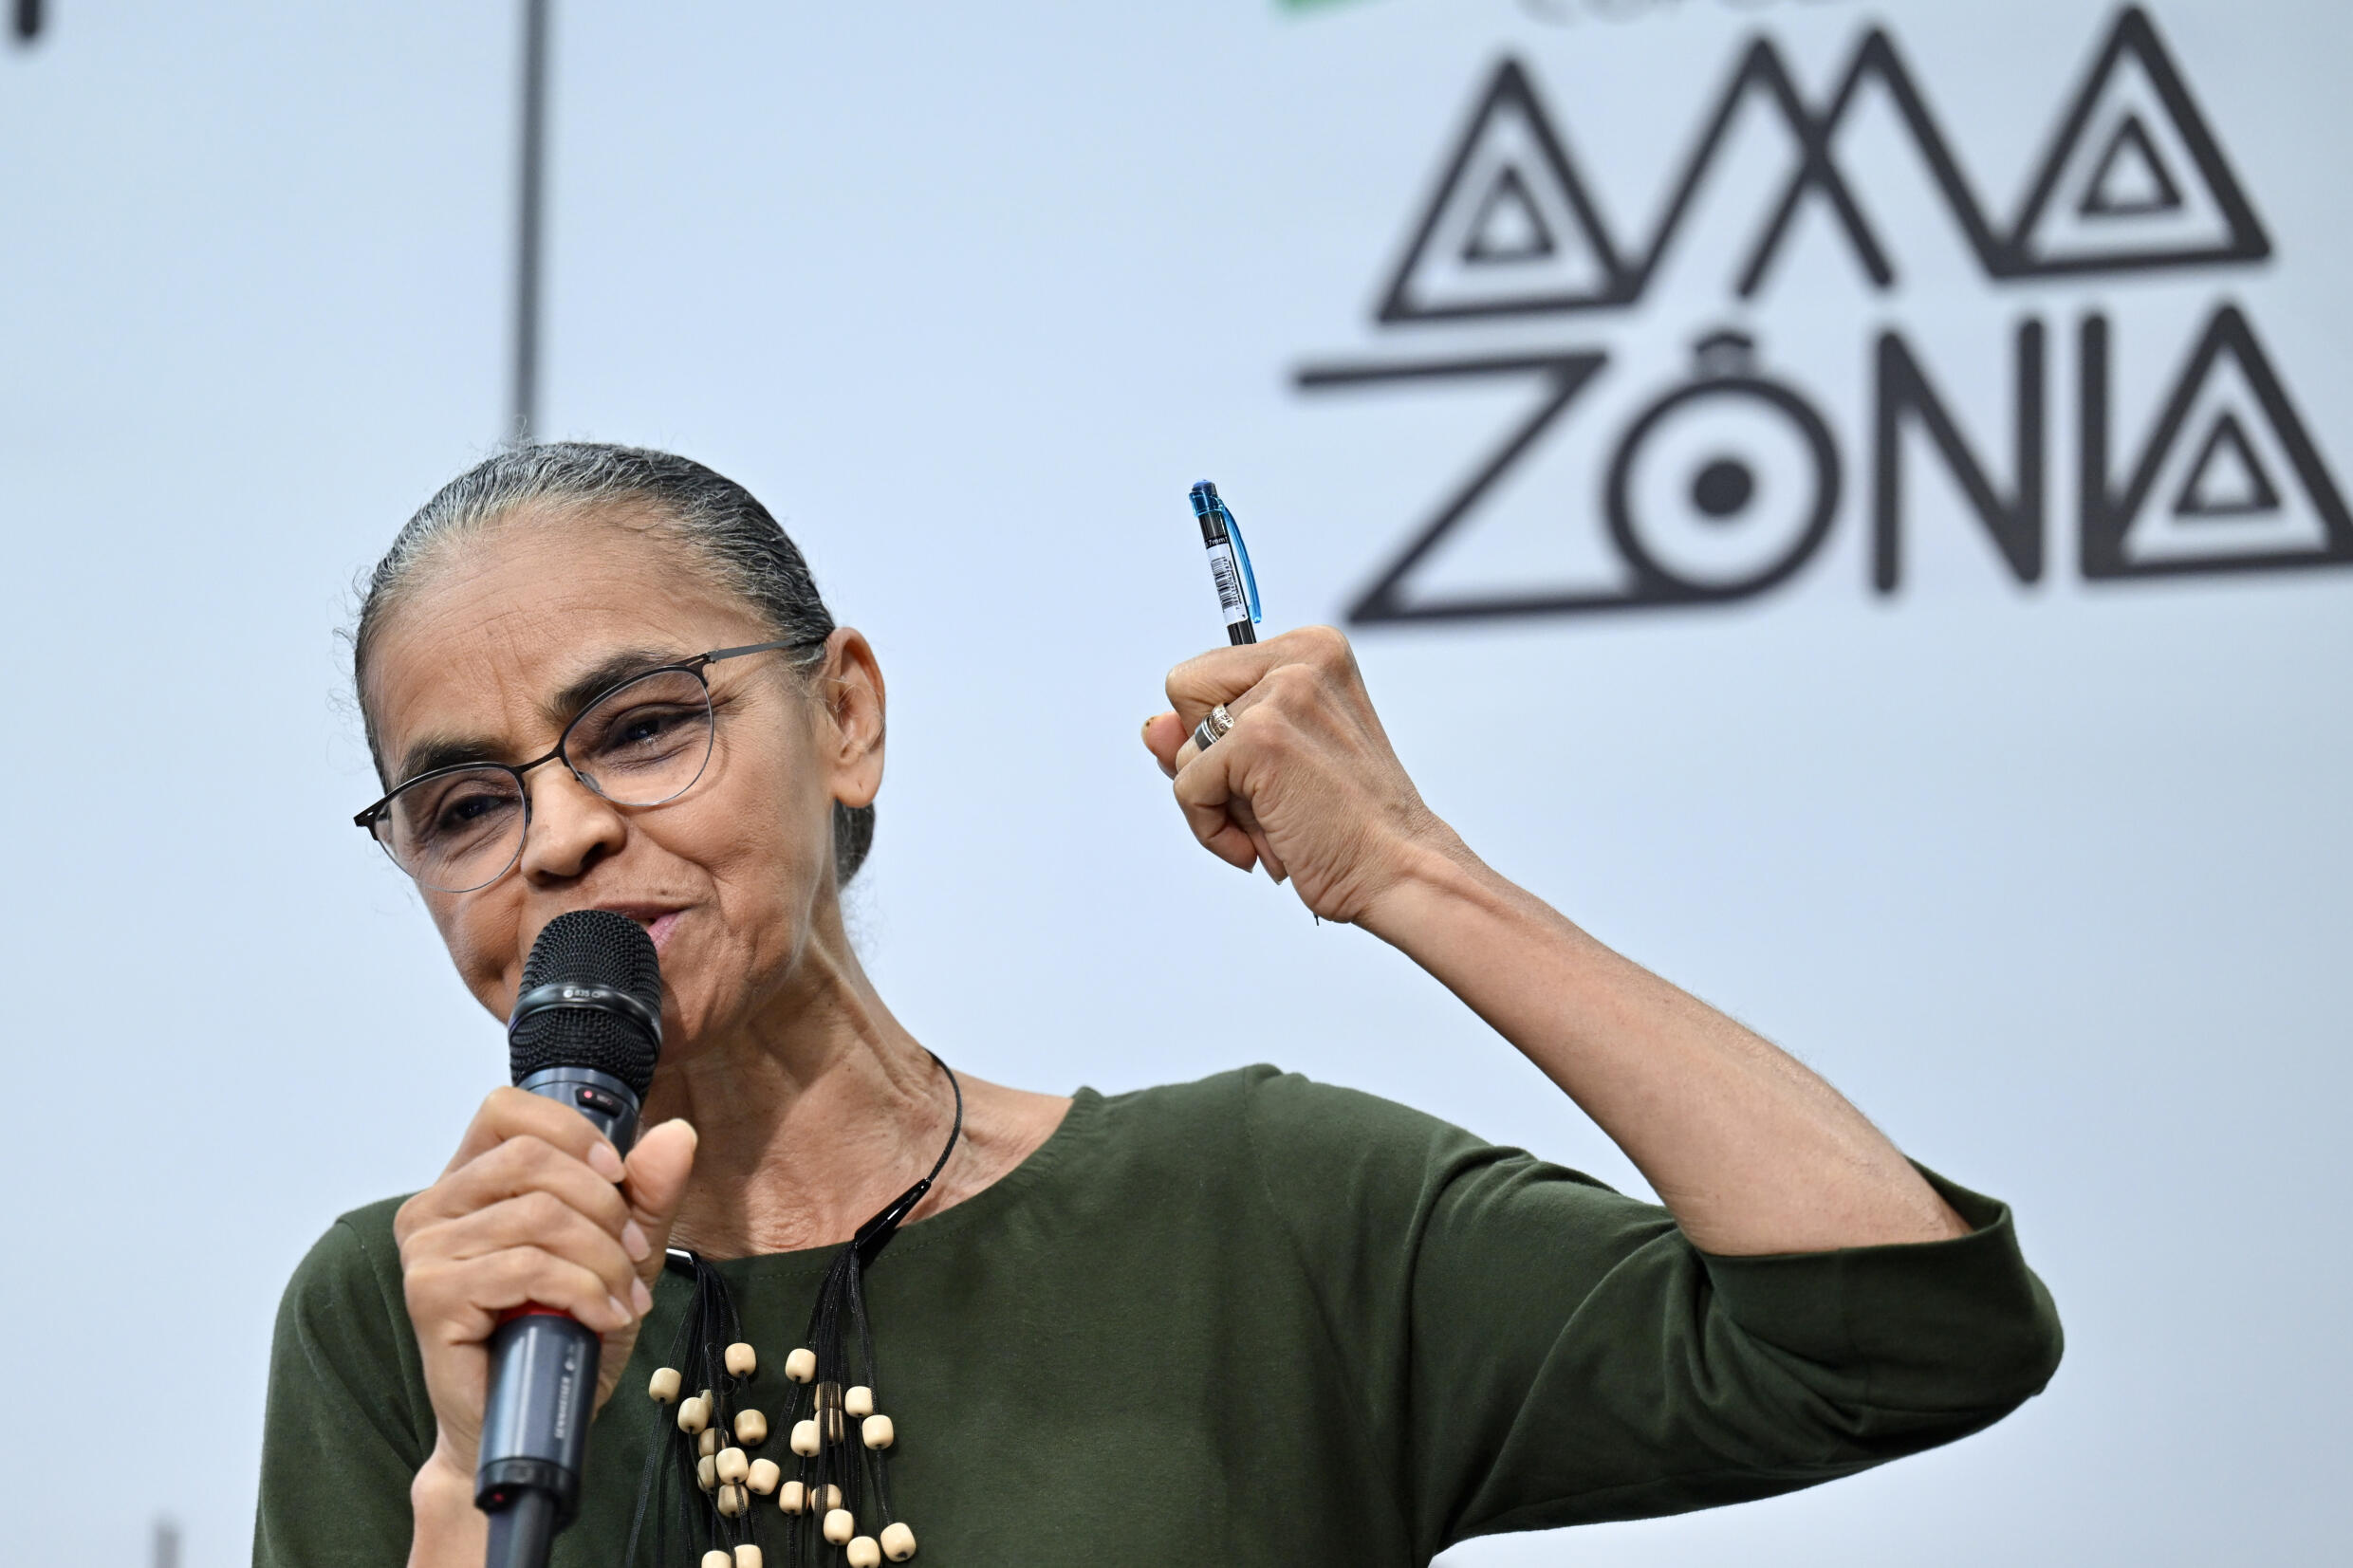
(468,810)
(642,727)
(643,730)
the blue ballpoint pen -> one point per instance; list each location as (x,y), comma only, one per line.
(1229,563)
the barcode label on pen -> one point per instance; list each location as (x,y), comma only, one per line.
(1228,585)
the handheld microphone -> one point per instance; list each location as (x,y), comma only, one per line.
(587,1031)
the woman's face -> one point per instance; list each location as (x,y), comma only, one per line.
(506,636)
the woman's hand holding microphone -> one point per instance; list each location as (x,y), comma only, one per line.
(536,1206)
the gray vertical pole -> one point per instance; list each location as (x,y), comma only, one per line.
(166,1545)
(529,198)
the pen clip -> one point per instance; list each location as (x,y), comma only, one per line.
(1241,553)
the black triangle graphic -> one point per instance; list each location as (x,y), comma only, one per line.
(1507,202)
(2108,512)
(2102,198)
(2136,36)
(2251,492)
(1509,92)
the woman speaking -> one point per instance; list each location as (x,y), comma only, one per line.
(1250,1320)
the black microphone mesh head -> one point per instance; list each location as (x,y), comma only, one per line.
(590,948)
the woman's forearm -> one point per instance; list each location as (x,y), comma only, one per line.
(1752,1153)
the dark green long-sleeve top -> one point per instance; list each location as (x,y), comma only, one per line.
(1252,1320)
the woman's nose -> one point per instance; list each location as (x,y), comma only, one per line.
(572,827)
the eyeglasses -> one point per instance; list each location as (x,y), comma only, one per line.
(642,743)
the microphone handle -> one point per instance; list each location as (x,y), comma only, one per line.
(523,1532)
(604,1099)
(544,1375)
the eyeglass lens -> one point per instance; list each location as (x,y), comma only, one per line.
(640,743)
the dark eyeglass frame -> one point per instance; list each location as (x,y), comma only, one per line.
(366,820)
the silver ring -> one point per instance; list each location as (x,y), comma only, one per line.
(1213,729)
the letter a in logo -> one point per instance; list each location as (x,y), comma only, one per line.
(1511,229)
(2229,479)
(2133,178)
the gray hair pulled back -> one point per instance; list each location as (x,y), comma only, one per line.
(715,521)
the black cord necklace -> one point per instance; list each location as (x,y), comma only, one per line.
(702,1492)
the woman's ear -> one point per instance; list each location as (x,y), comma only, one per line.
(851,692)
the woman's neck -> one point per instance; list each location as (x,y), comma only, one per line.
(823,1110)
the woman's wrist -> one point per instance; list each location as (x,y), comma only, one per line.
(1436,877)
(447,1527)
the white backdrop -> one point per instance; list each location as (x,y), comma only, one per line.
(2051,877)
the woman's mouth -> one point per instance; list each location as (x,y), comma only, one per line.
(658,922)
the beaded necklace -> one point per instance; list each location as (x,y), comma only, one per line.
(701,1487)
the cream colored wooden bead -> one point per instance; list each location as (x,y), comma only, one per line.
(664,1385)
(859,1401)
(734,1500)
(833,1496)
(865,1552)
(694,1415)
(716,1558)
(742,1360)
(800,1365)
(707,1473)
(805,1439)
(751,1427)
(733,1465)
(763,1476)
(793,1497)
(830,1423)
(747,1556)
(840,1526)
(877,1430)
(897,1543)
(707,1442)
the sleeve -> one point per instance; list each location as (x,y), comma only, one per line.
(1537,1350)
(347,1422)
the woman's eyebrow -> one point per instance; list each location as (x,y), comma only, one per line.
(601,677)
(438,752)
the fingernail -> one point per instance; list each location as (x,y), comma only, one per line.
(643,1297)
(604,1162)
(623,1316)
(633,1241)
